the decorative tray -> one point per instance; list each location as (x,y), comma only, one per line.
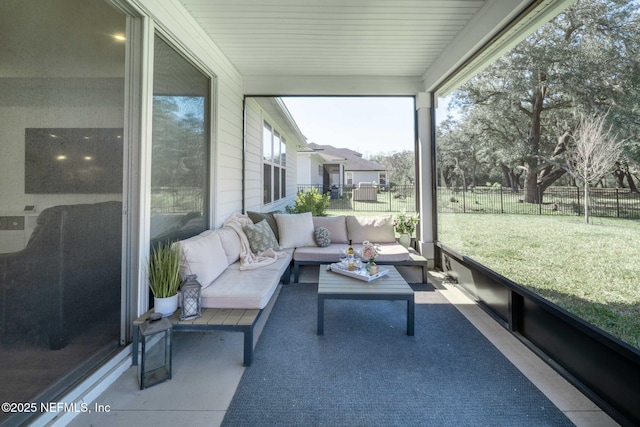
(361,274)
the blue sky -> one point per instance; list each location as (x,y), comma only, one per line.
(366,124)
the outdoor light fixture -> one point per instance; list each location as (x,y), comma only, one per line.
(154,366)
(190,289)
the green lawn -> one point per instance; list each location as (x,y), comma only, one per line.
(590,270)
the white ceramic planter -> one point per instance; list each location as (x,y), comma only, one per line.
(165,306)
(405,240)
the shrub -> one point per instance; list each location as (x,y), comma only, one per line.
(310,201)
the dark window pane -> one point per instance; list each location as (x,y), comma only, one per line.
(179,171)
(266,193)
(283,180)
(276,183)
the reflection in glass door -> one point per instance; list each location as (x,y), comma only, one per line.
(61,168)
(180,147)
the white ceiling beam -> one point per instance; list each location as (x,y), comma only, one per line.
(331,85)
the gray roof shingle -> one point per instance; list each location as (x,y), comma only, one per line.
(354,160)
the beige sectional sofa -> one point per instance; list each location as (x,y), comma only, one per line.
(231,284)
(214,255)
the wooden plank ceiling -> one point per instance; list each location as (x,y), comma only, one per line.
(333,37)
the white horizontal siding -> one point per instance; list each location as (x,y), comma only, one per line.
(253,156)
(255,117)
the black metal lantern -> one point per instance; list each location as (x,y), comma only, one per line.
(155,358)
(190,289)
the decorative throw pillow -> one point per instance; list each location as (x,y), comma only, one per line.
(256,217)
(296,230)
(260,237)
(322,236)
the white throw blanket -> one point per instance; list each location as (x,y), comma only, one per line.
(249,260)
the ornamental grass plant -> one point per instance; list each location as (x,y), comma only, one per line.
(164,270)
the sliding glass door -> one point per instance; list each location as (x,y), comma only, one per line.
(62,139)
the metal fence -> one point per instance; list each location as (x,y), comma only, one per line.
(380,198)
(603,202)
(176,199)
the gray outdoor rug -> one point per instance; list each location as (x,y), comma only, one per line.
(365,370)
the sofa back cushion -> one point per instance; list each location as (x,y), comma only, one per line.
(337,226)
(376,229)
(204,256)
(230,243)
(296,230)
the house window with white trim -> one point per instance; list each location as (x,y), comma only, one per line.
(349,178)
(274,162)
(382,179)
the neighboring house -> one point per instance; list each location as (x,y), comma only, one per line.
(331,167)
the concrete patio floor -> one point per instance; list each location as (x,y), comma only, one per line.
(207,369)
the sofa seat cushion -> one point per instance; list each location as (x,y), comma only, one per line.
(248,289)
(325,254)
(389,252)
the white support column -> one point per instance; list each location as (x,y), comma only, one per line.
(424,173)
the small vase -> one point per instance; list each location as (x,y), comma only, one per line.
(165,306)
(370,266)
(405,240)
(374,269)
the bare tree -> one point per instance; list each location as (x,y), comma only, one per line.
(595,154)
